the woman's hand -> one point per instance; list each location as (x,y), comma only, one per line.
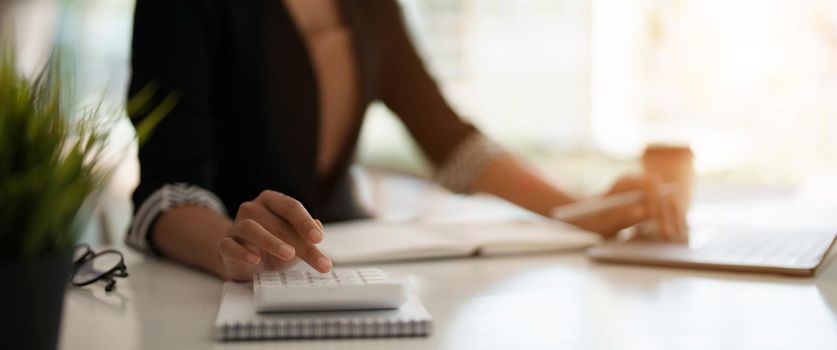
(269,233)
(670,221)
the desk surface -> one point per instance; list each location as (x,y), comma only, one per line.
(545,301)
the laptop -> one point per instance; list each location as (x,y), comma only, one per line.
(799,254)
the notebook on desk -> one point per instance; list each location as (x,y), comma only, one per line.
(788,253)
(238,320)
(375,241)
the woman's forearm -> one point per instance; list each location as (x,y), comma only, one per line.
(191,235)
(509,178)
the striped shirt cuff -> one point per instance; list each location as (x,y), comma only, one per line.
(167,197)
(467,162)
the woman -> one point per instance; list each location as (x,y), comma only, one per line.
(272,95)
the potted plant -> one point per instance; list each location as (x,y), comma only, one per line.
(49,175)
(51,172)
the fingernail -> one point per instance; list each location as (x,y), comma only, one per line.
(323,264)
(319,223)
(286,251)
(253,258)
(315,234)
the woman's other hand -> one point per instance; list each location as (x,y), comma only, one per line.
(661,208)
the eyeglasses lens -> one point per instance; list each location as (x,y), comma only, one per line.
(96,267)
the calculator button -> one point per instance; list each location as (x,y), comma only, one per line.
(294,274)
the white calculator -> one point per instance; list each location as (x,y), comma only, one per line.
(340,289)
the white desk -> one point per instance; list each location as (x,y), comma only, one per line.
(548,301)
(558,301)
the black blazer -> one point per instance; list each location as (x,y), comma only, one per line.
(247,117)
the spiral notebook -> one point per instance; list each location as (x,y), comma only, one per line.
(238,320)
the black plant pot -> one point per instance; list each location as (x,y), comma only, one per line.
(32,301)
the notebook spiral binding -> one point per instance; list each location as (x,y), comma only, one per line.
(329,328)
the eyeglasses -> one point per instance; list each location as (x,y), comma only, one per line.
(90,267)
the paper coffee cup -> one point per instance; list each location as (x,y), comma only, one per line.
(673,164)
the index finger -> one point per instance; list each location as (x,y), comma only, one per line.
(292,211)
(281,228)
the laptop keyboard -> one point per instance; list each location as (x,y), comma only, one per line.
(772,250)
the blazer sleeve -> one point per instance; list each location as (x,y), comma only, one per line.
(172,53)
(458,151)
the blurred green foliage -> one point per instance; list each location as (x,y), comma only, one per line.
(51,169)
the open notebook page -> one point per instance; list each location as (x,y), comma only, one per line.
(370,240)
(522,236)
